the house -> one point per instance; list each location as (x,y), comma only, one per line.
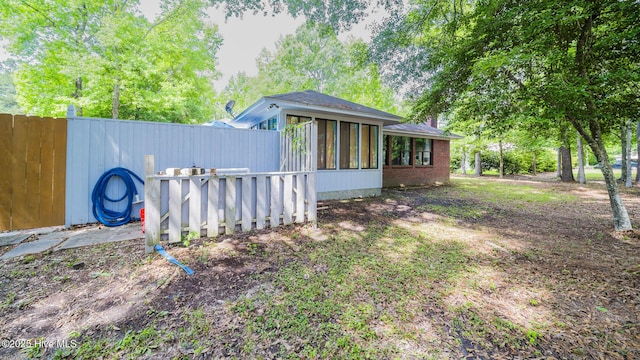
(353,151)
(359,149)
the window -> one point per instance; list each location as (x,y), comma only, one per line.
(294,119)
(271,124)
(327,144)
(385,149)
(401,150)
(348,145)
(423,152)
(369,146)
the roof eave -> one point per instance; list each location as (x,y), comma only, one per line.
(284,104)
(425,135)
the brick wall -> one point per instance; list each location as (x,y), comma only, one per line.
(393,176)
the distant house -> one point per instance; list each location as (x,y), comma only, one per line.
(359,149)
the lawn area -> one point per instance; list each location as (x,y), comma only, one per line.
(481,268)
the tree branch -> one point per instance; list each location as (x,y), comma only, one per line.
(40,12)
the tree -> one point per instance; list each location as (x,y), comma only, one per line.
(338,14)
(8,103)
(104,58)
(573,60)
(315,59)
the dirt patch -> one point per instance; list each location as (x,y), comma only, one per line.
(548,280)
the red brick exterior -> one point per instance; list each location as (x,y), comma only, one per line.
(394,176)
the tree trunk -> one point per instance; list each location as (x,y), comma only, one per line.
(501,160)
(559,163)
(478,170)
(464,163)
(115,104)
(581,176)
(623,143)
(77,94)
(638,150)
(627,163)
(567,169)
(621,221)
(534,164)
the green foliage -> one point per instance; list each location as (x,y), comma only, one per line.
(338,14)
(498,66)
(192,235)
(516,161)
(8,103)
(315,59)
(111,62)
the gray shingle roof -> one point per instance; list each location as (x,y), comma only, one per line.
(419,129)
(314,98)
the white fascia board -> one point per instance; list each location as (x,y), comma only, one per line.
(239,118)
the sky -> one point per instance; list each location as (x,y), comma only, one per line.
(244,38)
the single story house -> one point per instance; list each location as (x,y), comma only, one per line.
(353,150)
(359,149)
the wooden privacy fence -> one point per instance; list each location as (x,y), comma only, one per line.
(33,154)
(213,204)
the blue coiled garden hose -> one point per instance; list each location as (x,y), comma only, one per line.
(99,197)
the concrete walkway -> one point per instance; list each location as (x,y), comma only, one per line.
(57,238)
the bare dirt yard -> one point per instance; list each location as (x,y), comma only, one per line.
(481,268)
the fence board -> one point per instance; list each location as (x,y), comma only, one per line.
(59,171)
(6,166)
(261,201)
(19,209)
(46,171)
(274,218)
(230,205)
(300,197)
(246,203)
(288,200)
(195,205)
(32,185)
(312,204)
(175,210)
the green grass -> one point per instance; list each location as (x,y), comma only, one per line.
(596,174)
(132,344)
(361,295)
(495,191)
(333,297)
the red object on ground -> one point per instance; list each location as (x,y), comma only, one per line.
(142,219)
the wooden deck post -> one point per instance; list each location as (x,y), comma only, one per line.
(213,203)
(151,205)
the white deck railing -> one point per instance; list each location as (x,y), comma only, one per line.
(213,204)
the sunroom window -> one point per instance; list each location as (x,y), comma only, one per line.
(349,145)
(369,146)
(327,130)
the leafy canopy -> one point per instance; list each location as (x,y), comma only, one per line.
(315,59)
(105,58)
